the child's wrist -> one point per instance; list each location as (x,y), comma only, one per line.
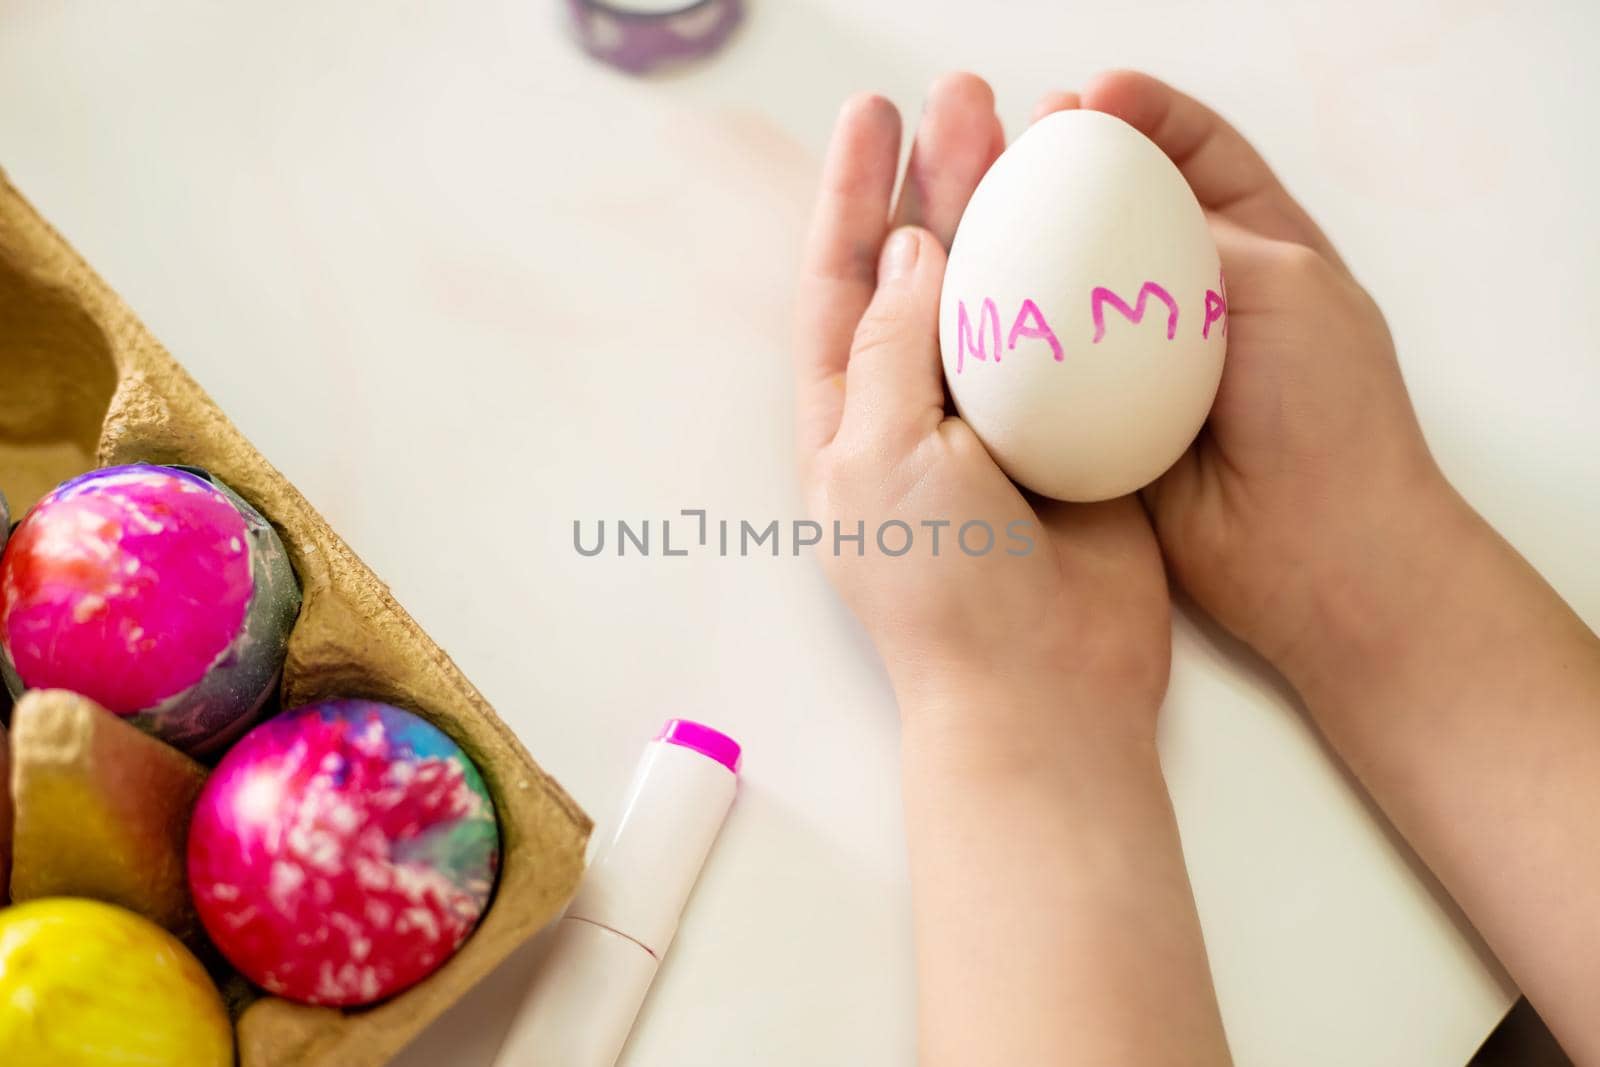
(1372,603)
(1009,716)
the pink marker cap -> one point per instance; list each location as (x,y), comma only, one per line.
(713,744)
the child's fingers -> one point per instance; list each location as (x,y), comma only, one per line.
(1258,272)
(1225,172)
(841,263)
(1245,257)
(1250,263)
(1266,274)
(1054,101)
(958,137)
(895,386)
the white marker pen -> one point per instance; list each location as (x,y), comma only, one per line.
(606,948)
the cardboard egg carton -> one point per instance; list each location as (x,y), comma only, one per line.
(84,385)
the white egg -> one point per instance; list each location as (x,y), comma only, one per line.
(1083,320)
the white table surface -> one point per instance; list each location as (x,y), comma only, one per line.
(463,286)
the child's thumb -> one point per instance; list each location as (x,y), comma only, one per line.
(894,382)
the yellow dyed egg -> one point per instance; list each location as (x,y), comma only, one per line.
(85,984)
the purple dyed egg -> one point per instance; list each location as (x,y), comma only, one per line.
(154,591)
(341,852)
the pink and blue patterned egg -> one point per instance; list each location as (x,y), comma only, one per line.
(342,851)
(156,592)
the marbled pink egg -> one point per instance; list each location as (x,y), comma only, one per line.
(341,852)
(155,591)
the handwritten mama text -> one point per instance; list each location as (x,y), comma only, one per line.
(1029,322)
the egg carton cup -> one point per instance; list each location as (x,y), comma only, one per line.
(83,384)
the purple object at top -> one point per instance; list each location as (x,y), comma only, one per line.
(638,41)
(713,744)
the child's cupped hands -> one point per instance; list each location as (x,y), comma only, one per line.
(1295,504)
(965,585)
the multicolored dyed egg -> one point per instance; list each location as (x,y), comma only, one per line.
(342,851)
(155,591)
(85,984)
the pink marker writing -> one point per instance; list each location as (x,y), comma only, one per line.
(1101,296)
(605,951)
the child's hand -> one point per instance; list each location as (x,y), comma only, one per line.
(1066,606)
(1312,521)
(1312,455)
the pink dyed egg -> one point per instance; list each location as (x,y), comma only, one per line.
(341,852)
(155,591)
